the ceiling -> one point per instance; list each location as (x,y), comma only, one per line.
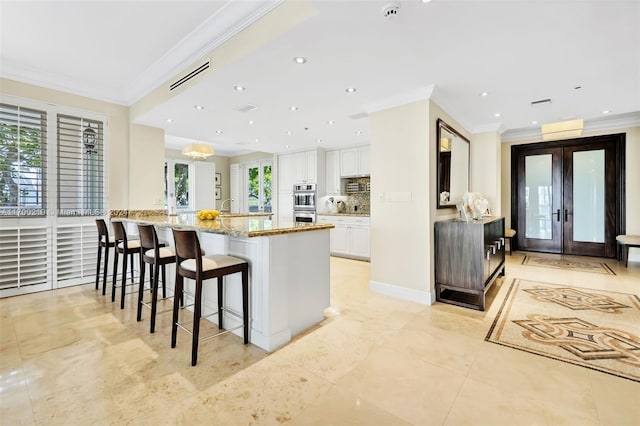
(583,56)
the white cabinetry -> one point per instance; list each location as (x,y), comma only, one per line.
(333,173)
(354,161)
(298,167)
(350,237)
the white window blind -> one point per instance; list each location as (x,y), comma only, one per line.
(24,260)
(23,160)
(76,252)
(80,166)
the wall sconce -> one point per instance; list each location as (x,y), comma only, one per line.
(562,130)
(197,151)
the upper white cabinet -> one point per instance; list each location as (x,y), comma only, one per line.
(333,173)
(354,161)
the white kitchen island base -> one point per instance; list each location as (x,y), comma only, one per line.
(288,282)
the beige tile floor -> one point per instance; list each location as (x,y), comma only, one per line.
(71,357)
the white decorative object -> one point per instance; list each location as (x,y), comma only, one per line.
(475,205)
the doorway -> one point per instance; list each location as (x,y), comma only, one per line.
(258,187)
(568,196)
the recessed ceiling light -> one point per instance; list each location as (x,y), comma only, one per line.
(606,111)
(219,131)
(534,122)
(331,122)
(293,108)
(169,120)
(239,88)
(496,115)
(198,107)
(250,121)
(289,132)
(358,132)
(318,140)
(287,146)
(484,94)
(299,60)
(257,140)
(350,89)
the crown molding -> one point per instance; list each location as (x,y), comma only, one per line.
(620,121)
(404,98)
(217,29)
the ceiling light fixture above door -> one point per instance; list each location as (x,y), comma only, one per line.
(562,129)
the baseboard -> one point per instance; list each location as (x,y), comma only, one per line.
(404,293)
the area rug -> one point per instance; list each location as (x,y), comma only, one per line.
(595,329)
(575,265)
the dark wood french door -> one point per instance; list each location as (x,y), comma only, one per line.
(569,196)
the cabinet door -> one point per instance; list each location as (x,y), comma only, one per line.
(340,239)
(360,241)
(311,166)
(287,168)
(285,206)
(349,162)
(333,172)
(363,160)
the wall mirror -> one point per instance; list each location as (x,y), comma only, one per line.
(452,153)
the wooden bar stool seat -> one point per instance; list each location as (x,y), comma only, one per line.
(508,235)
(625,242)
(191,264)
(154,253)
(126,247)
(104,242)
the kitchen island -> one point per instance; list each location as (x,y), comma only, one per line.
(288,272)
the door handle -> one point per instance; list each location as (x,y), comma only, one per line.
(558,213)
(566,215)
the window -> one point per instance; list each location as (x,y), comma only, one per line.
(259,187)
(178,187)
(80,167)
(23,160)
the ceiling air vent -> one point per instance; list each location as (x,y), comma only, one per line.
(246,108)
(358,116)
(202,68)
(540,102)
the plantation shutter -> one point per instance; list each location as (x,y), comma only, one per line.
(23,160)
(80,166)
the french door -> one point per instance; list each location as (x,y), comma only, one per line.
(258,187)
(569,196)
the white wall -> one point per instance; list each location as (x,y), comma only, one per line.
(146,168)
(485,166)
(632,171)
(401,201)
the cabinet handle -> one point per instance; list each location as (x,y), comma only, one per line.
(498,244)
(488,254)
(502,240)
(493,249)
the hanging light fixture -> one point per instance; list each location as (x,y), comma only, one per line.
(197,151)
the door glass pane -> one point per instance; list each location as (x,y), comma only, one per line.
(181,176)
(253,191)
(588,196)
(266,185)
(538,196)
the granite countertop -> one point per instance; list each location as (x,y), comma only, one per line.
(255,225)
(344,214)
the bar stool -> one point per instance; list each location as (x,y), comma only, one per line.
(156,255)
(126,247)
(106,242)
(191,264)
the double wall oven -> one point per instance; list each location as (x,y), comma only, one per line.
(304,202)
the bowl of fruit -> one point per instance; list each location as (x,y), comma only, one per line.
(208,214)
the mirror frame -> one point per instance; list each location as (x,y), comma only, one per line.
(441,124)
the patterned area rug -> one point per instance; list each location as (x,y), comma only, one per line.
(576,265)
(595,329)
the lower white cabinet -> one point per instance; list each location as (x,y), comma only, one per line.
(350,237)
